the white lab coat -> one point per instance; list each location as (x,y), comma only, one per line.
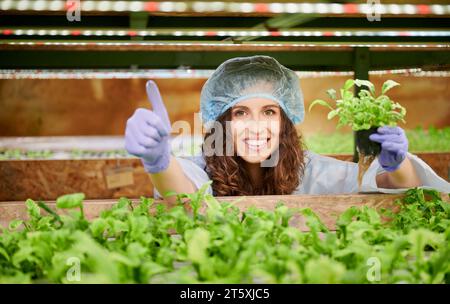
(327,175)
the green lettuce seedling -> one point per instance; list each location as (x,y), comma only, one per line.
(366,110)
(216,242)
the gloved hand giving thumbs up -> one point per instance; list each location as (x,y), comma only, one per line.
(147,133)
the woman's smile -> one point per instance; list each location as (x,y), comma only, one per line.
(257,145)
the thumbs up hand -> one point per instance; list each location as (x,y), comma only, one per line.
(147,133)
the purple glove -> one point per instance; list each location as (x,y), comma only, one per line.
(394,147)
(147,133)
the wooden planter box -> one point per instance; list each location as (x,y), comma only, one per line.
(97,178)
(106,178)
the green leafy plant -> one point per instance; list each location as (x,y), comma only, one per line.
(25,154)
(146,242)
(365,110)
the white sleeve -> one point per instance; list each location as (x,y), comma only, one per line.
(328,175)
(193,172)
(429,178)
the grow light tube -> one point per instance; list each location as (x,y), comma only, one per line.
(229,7)
(239,32)
(224,44)
(184,73)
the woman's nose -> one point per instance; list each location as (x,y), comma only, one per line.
(256,127)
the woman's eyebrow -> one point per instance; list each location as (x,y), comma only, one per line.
(239,107)
(271,106)
(264,107)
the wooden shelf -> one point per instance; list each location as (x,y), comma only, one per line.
(323,53)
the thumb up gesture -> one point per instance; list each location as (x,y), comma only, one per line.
(147,133)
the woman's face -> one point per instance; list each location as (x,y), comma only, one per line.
(255,125)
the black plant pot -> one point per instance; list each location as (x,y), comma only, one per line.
(365,145)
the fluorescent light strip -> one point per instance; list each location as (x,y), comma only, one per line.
(184,73)
(232,7)
(215,33)
(205,44)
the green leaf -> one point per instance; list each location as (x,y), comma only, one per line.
(387,85)
(4,254)
(33,209)
(332,114)
(122,203)
(44,223)
(197,198)
(70,200)
(348,84)
(98,227)
(197,242)
(313,221)
(373,216)
(214,208)
(347,95)
(347,216)
(366,83)
(332,93)
(144,206)
(14,224)
(320,102)
(114,226)
(324,271)
(50,211)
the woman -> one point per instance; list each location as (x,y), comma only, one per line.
(250,106)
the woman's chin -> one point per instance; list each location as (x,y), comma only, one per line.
(255,158)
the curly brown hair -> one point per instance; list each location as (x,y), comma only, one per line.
(230,178)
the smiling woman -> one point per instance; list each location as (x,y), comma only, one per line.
(250,106)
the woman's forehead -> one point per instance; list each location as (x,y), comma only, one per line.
(256,102)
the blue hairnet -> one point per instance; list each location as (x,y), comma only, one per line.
(247,77)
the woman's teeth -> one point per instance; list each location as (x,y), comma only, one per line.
(256,144)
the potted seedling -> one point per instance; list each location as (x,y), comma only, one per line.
(364,113)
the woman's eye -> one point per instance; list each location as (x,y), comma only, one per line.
(239,113)
(269,112)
